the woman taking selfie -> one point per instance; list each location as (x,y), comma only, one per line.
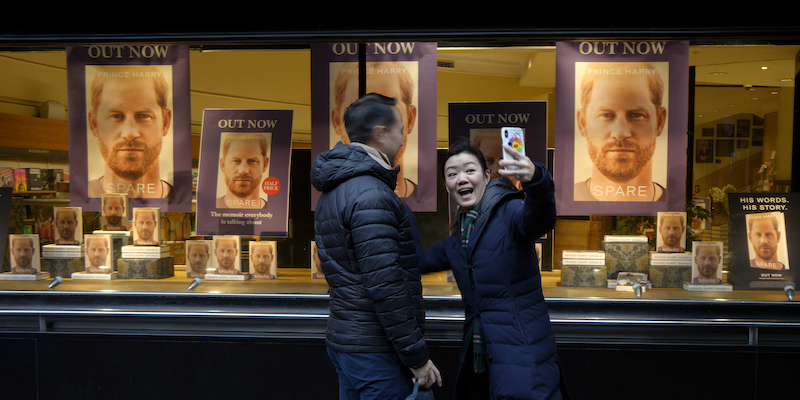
(509,350)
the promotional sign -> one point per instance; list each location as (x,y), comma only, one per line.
(405,71)
(484,123)
(762,226)
(481,123)
(621,120)
(129,125)
(243,175)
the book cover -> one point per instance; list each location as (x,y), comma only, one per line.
(7,177)
(626,257)
(671,227)
(583,276)
(762,227)
(20,180)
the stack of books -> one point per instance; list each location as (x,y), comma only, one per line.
(132,251)
(583,268)
(675,259)
(670,269)
(626,239)
(626,253)
(62,251)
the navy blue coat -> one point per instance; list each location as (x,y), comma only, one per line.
(366,245)
(501,287)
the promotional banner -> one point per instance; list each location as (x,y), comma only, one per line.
(243,175)
(483,123)
(621,120)
(405,71)
(762,227)
(129,125)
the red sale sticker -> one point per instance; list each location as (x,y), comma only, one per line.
(271,185)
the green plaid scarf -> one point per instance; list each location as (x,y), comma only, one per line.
(467,223)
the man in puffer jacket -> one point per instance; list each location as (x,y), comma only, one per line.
(366,244)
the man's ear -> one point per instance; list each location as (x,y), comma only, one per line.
(378,134)
(338,126)
(412,119)
(580,117)
(167,121)
(661,120)
(93,123)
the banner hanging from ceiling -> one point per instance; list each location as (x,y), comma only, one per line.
(621,123)
(405,71)
(129,125)
(243,175)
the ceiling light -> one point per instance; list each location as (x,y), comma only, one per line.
(764,67)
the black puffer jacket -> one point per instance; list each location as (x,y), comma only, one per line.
(366,245)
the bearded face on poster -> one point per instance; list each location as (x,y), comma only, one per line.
(620,117)
(129,118)
(393,79)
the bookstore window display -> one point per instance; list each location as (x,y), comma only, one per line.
(665,268)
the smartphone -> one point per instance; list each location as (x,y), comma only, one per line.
(513,137)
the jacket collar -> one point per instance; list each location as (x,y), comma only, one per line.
(376,154)
(496,190)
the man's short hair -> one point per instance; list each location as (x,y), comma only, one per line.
(655,82)
(715,246)
(22,238)
(679,217)
(160,84)
(73,211)
(204,245)
(105,242)
(266,245)
(367,112)
(151,213)
(232,240)
(344,79)
(262,142)
(770,218)
(107,198)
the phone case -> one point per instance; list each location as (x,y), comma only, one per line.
(514,138)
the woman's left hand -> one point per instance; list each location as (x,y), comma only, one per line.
(526,168)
